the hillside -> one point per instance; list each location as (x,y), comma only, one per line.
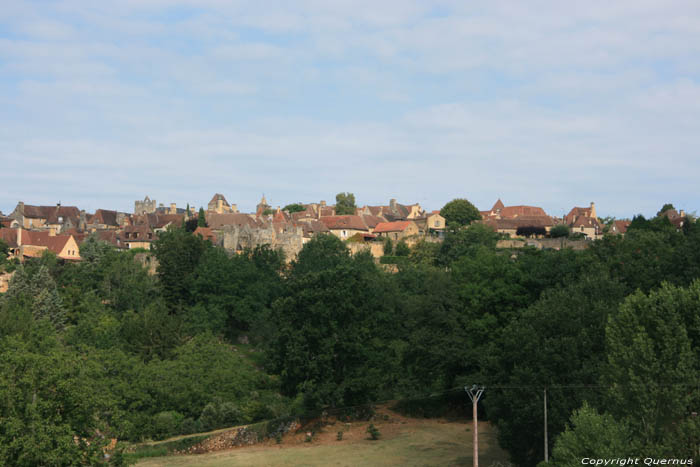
(403,441)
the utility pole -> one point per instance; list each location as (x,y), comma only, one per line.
(475,393)
(546,447)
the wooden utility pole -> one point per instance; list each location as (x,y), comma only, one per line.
(546,447)
(475,393)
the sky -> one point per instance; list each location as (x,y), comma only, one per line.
(547,103)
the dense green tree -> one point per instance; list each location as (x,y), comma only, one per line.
(559,340)
(322,252)
(178,253)
(345,204)
(35,291)
(201,218)
(233,293)
(652,349)
(459,212)
(329,348)
(402,249)
(559,231)
(294,207)
(4,251)
(591,435)
(51,404)
(664,208)
(93,250)
(388,247)
(466,241)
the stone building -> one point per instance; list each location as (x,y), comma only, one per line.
(147,206)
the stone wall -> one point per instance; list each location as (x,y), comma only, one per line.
(238,238)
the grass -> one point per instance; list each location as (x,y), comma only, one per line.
(404,441)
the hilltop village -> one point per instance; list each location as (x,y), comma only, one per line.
(29,229)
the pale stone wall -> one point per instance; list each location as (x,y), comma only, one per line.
(376,249)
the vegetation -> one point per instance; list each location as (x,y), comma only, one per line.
(294,207)
(459,212)
(345,204)
(559,231)
(201,218)
(101,349)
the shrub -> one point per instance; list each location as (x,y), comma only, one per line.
(167,424)
(210,417)
(560,230)
(229,414)
(373,431)
(388,246)
(402,249)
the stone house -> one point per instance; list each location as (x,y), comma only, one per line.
(55,218)
(396,230)
(345,226)
(147,206)
(219,205)
(32,244)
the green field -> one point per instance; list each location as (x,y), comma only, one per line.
(404,441)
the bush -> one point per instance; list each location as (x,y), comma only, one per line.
(210,417)
(402,249)
(167,424)
(388,247)
(373,431)
(189,426)
(559,231)
(230,414)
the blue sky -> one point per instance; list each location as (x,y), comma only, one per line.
(547,103)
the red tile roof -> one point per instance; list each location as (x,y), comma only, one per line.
(522,211)
(397,226)
(54,243)
(344,222)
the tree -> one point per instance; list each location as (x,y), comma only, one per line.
(345,204)
(664,208)
(51,404)
(388,246)
(4,250)
(560,231)
(36,291)
(322,252)
(201,219)
(531,231)
(559,340)
(294,207)
(327,348)
(652,348)
(466,241)
(93,250)
(591,435)
(459,212)
(402,249)
(178,253)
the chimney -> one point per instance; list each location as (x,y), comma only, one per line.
(682,213)
(323,203)
(173,208)
(234,208)
(392,204)
(593,214)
